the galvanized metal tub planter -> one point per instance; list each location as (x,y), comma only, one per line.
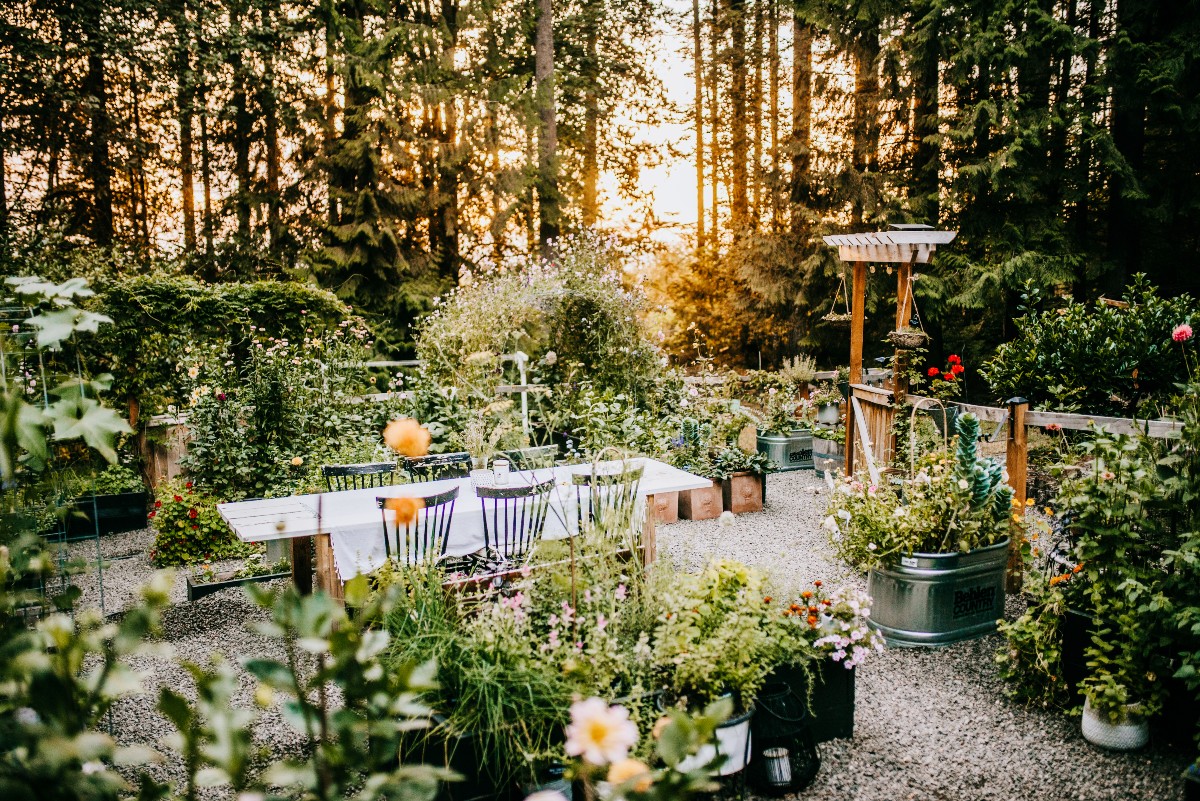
(793,451)
(939,598)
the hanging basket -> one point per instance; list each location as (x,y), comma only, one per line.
(908,339)
(835,318)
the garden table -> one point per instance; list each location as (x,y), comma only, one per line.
(348,529)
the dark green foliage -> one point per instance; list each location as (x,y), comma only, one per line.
(1095,358)
(157,318)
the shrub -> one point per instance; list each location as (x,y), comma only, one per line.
(188,528)
(1095,358)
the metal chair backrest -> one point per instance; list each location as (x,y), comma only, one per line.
(606,501)
(533,458)
(438,466)
(425,537)
(516,517)
(341,477)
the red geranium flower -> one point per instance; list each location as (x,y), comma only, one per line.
(188,485)
(158,504)
(192,513)
(933,371)
(954,359)
(178,498)
(948,376)
(152,514)
(956,368)
(194,525)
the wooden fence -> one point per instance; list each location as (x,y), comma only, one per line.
(869,436)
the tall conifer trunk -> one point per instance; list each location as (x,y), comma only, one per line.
(698,110)
(548,200)
(801,144)
(738,151)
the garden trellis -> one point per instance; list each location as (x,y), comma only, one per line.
(904,245)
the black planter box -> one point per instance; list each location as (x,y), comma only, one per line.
(832,713)
(460,753)
(198,591)
(114,514)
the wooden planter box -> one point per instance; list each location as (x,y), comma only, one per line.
(115,514)
(198,591)
(701,504)
(666,507)
(742,492)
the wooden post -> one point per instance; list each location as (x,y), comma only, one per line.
(904,301)
(302,564)
(649,535)
(857,319)
(1017,459)
(327,577)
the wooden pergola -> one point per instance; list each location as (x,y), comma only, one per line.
(903,245)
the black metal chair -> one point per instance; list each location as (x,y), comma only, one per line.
(606,501)
(532,458)
(425,536)
(438,466)
(341,477)
(515,519)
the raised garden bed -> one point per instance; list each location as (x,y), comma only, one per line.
(226,580)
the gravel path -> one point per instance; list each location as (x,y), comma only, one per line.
(930,724)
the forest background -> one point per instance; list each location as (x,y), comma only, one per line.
(389,150)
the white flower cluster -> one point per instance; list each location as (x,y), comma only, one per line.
(847,637)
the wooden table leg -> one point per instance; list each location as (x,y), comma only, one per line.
(649,536)
(302,564)
(327,576)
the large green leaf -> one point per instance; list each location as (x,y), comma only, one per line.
(55,326)
(84,418)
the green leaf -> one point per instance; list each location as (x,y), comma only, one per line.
(84,418)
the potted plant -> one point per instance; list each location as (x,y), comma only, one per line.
(937,553)
(692,455)
(743,478)
(907,337)
(798,372)
(115,501)
(784,436)
(823,637)
(828,402)
(716,638)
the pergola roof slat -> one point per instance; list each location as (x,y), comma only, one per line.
(890,246)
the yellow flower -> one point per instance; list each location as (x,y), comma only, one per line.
(1049,511)
(1016,518)
(599,733)
(631,770)
(405,509)
(407,437)
(1029,501)
(297,461)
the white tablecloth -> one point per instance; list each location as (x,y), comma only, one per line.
(355,526)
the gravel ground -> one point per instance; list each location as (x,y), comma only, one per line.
(930,724)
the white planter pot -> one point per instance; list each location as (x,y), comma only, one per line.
(733,743)
(1129,734)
